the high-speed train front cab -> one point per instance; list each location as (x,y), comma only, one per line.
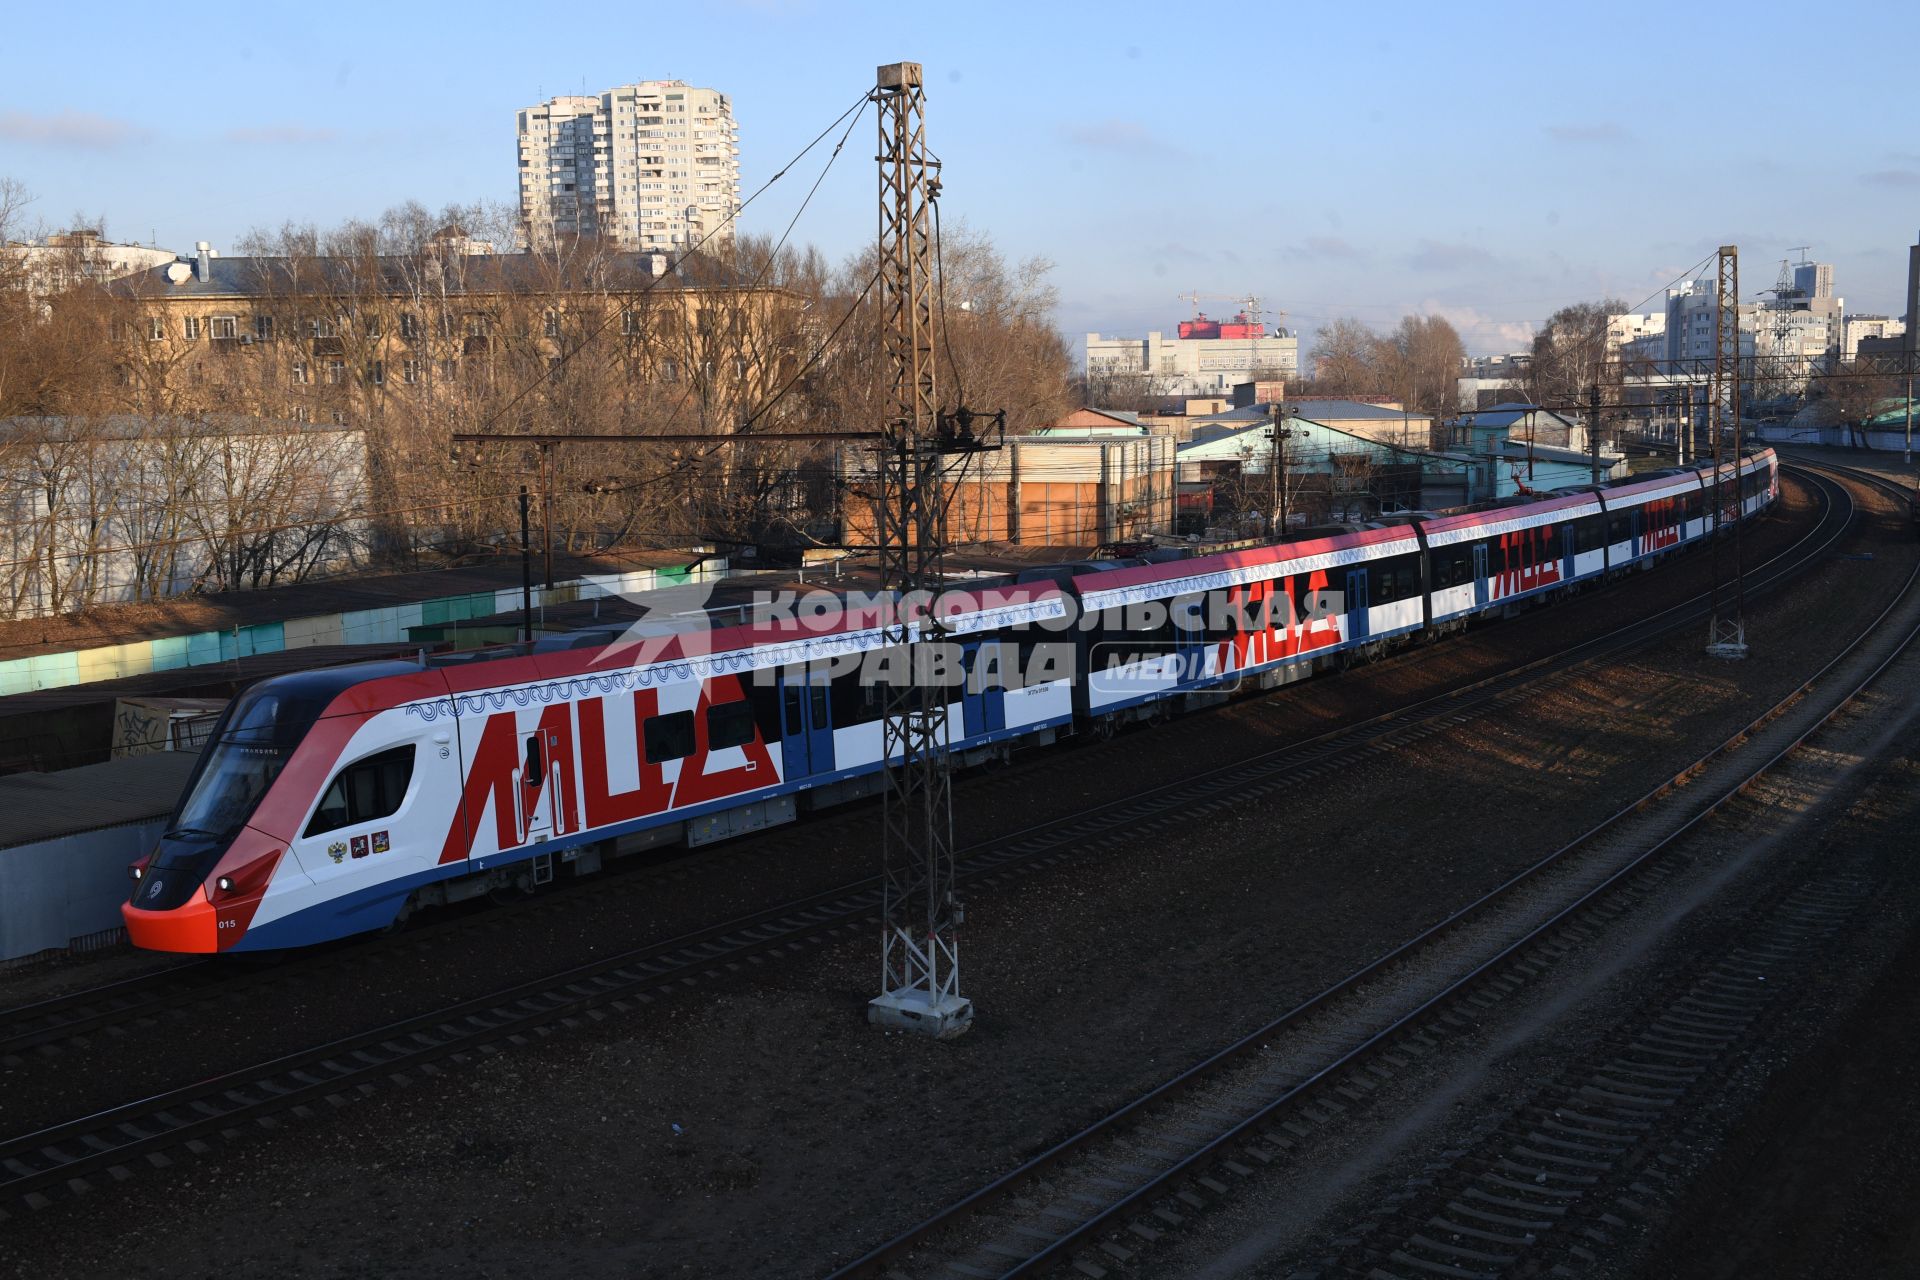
(200,887)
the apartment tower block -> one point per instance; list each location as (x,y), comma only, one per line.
(653,165)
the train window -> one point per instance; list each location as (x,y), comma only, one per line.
(669,737)
(1586,533)
(1217,616)
(817,698)
(764,697)
(729,724)
(855,700)
(365,791)
(796,724)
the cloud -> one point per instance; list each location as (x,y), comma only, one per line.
(1122,137)
(1602,131)
(1480,331)
(70,129)
(280,135)
(1437,255)
(1892,178)
(1323,247)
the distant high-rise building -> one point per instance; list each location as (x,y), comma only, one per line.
(653,165)
(1813,279)
(1913,299)
(1871,330)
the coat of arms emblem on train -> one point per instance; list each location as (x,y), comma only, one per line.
(337,851)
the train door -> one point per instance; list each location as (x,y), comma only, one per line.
(1357,618)
(806,724)
(1479,575)
(985,705)
(542,810)
(1566,552)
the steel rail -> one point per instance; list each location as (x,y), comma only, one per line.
(1204,1155)
(113,1140)
(77,1013)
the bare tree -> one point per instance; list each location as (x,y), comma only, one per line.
(1851,401)
(1567,352)
(1346,359)
(1421,363)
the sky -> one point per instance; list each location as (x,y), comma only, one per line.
(1487,163)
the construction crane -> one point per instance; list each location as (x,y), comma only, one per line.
(1248,303)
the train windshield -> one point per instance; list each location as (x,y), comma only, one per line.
(250,747)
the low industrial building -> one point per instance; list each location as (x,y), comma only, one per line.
(1079,481)
(1227,477)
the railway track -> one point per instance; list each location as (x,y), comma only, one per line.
(1100,1196)
(112,1008)
(114,1144)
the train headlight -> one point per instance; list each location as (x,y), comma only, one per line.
(224,884)
(136,871)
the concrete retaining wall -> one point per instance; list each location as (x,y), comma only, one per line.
(55,894)
(360,626)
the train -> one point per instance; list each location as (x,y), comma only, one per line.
(335,802)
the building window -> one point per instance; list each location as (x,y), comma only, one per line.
(336,372)
(409,371)
(629,321)
(669,371)
(300,374)
(449,370)
(371,325)
(301,413)
(263,328)
(377,372)
(224,326)
(553,324)
(190,328)
(476,324)
(320,327)
(409,325)
(339,417)
(156,329)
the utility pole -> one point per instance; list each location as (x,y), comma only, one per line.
(1273,471)
(546,510)
(919,954)
(1727,631)
(1277,471)
(1593,427)
(526,571)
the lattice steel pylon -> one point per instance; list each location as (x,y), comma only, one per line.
(919,954)
(1727,629)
